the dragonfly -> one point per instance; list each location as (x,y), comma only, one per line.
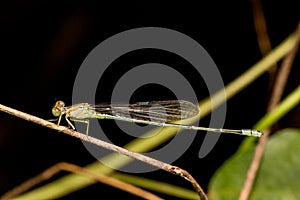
(157,113)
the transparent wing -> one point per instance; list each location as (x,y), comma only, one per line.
(155,111)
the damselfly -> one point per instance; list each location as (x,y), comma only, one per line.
(158,113)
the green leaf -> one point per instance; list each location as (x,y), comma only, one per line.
(278,176)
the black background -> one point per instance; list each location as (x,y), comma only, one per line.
(44,43)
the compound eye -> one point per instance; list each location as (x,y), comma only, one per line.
(56,112)
(59,104)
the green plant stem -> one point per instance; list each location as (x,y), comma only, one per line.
(248,77)
(157,186)
(284,107)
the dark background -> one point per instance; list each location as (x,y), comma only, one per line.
(44,43)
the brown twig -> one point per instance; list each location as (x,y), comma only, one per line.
(261,27)
(277,92)
(156,163)
(263,39)
(63,166)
